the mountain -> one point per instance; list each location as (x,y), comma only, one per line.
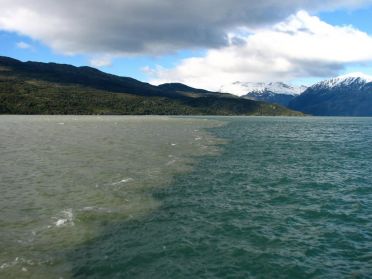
(352,81)
(179,87)
(348,95)
(273,92)
(68,74)
(50,88)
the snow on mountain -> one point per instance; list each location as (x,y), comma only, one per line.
(275,87)
(347,95)
(354,80)
(255,89)
(272,92)
(244,88)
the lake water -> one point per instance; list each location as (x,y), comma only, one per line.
(193,197)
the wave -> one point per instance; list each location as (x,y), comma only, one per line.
(125,180)
(67,220)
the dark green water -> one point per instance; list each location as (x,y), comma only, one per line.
(285,198)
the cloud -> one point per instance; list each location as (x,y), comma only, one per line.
(300,46)
(101,61)
(23,45)
(126,27)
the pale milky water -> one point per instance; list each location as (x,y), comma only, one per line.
(63,179)
(158,197)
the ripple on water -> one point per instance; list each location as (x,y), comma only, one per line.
(67,182)
(288,198)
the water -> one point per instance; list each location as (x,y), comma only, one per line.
(158,197)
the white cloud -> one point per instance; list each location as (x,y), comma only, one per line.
(23,45)
(101,61)
(300,46)
(122,27)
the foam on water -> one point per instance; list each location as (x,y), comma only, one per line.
(171,162)
(125,180)
(66,220)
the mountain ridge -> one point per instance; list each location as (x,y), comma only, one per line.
(347,95)
(352,80)
(274,87)
(51,88)
(272,92)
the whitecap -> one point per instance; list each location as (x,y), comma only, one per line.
(15,262)
(68,219)
(96,209)
(3,266)
(125,180)
(171,162)
(61,222)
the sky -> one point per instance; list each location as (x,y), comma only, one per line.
(203,43)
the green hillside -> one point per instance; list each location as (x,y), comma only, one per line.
(49,88)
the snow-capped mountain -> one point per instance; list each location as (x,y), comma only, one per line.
(244,88)
(272,92)
(350,81)
(274,87)
(347,95)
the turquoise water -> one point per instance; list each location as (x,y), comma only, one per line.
(277,198)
